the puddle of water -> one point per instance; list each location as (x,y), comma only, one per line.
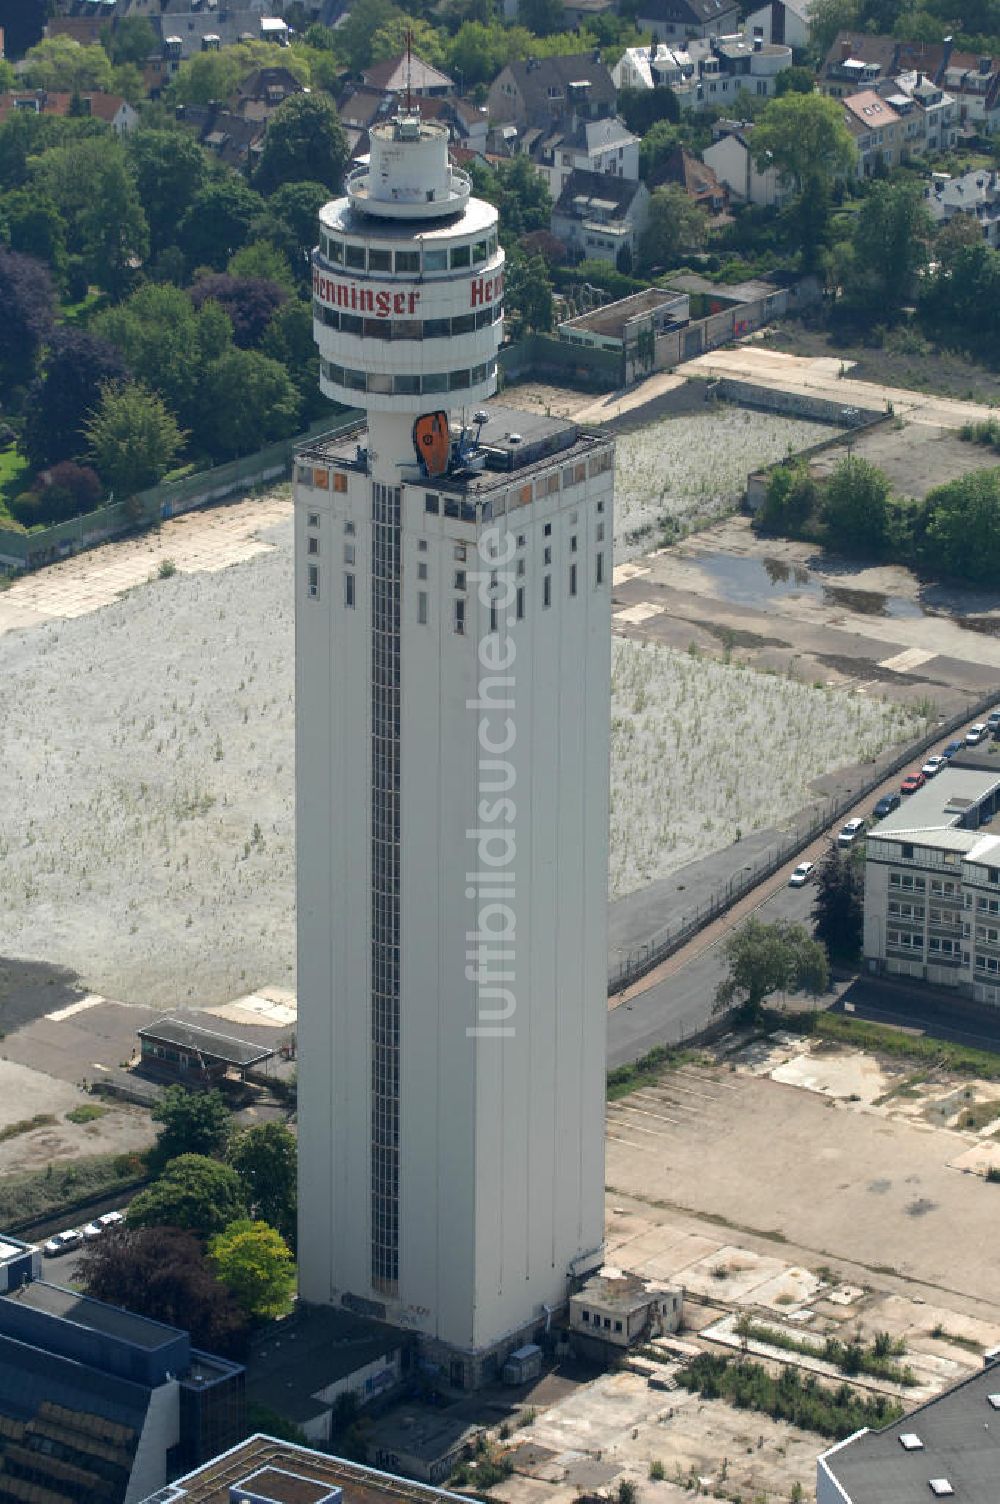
(872,602)
(751,581)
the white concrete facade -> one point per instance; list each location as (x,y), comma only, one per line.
(450,1126)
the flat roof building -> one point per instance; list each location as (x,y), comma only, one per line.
(932,885)
(174,1047)
(949,1448)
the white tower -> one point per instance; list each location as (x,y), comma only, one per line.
(453,652)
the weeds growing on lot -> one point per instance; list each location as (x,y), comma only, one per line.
(854,1357)
(647,1070)
(798,1398)
(27,1198)
(885,1040)
(26,1125)
(87,1112)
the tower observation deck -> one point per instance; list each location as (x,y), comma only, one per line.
(408,279)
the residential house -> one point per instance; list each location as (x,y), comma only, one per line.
(187,27)
(877,131)
(533,93)
(731,158)
(111,108)
(929,115)
(263,90)
(688,18)
(596,216)
(857,60)
(606,147)
(235,141)
(974,194)
(787,22)
(697,178)
(399,75)
(706,74)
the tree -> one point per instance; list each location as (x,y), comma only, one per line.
(32,224)
(27,305)
(8,78)
(856,507)
(391,39)
(674,224)
(962,536)
(956,234)
(75,367)
(249,400)
(528,293)
(193,1123)
(794,80)
(805,138)
(130,39)
(133,438)
(249,302)
(262,261)
(641,109)
(167,343)
(195,1193)
(826,18)
(891,234)
(289,340)
(162,1273)
(305,142)
(92,184)
(790,502)
(521,195)
(65,490)
(265,1159)
(170,169)
(217,222)
(255,1262)
(768,958)
(290,222)
(479,50)
(838,908)
(60,65)
(658,144)
(364,20)
(541,17)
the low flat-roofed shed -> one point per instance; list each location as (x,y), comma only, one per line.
(186,1050)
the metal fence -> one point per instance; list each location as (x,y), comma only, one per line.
(669,938)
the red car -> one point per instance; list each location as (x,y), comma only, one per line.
(913,782)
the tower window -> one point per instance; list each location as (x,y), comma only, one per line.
(435,261)
(599,569)
(520,603)
(354,255)
(313,519)
(600,532)
(407,261)
(460,550)
(349,529)
(312,546)
(313,582)
(461,256)
(422,607)
(460,617)
(547,590)
(459,579)
(572,544)
(379,261)
(349,591)
(572,579)
(349,553)
(547,555)
(431,503)
(336,251)
(422,570)
(548,530)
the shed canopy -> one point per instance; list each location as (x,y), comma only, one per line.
(236,1052)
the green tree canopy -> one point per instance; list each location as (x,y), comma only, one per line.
(209,76)
(170,170)
(249,400)
(265,1159)
(217,222)
(963,527)
(892,233)
(838,908)
(528,293)
(542,17)
(92,185)
(767,958)
(132,438)
(130,39)
(191,1123)
(856,507)
(255,1263)
(674,224)
(355,37)
(289,340)
(195,1193)
(31,223)
(167,343)
(804,137)
(290,222)
(61,65)
(305,142)
(389,40)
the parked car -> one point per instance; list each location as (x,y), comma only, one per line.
(933,765)
(110,1219)
(911,783)
(975,734)
(801,874)
(849,834)
(993,720)
(62,1242)
(91,1231)
(886,805)
(951,749)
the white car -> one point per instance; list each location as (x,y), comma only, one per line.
(975,734)
(110,1219)
(850,832)
(801,875)
(63,1242)
(933,765)
(91,1231)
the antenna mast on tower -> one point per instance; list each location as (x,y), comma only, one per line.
(409,69)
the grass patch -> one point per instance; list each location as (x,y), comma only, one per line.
(647,1070)
(797,1398)
(87,1112)
(26,1125)
(886,1040)
(83,311)
(970,1345)
(29,1197)
(14,469)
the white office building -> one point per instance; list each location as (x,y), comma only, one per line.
(932,886)
(453,573)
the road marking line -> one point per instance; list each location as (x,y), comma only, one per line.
(92,1000)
